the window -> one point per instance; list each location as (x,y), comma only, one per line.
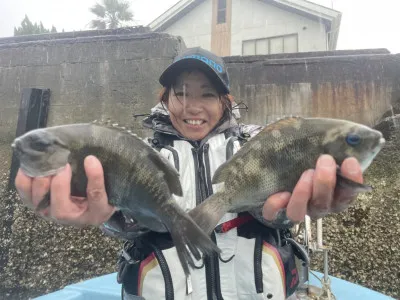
(249,47)
(221,12)
(271,45)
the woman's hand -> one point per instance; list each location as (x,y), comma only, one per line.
(64,208)
(315,193)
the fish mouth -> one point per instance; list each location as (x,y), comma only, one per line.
(15,146)
(15,143)
(366,163)
(35,173)
(379,146)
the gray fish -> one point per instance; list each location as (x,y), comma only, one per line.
(274,159)
(137,178)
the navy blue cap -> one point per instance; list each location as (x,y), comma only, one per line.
(212,65)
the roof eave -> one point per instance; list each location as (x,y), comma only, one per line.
(310,7)
(171,14)
(334,32)
(330,17)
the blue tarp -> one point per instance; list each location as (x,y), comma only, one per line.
(106,288)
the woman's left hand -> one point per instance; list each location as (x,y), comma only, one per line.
(315,193)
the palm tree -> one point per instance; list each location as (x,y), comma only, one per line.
(111,14)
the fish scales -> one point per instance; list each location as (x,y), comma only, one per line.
(114,152)
(268,164)
(274,159)
(137,178)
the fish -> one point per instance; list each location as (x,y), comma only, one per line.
(274,159)
(138,180)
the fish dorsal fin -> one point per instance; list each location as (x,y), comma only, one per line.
(281,123)
(171,175)
(223,171)
(114,126)
(284,121)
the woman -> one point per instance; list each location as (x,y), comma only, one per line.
(196,130)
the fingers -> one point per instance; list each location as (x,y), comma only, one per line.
(94,172)
(62,209)
(302,193)
(78,211)
(40,187)
(351,169)
(99,210)
(315,193)
(295,203)
(32,190)
(23,185)
(343,197)
(324,182)
(274,204)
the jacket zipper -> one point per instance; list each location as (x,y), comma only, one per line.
(257,264)
(203,190)
(207,164)
(197,175)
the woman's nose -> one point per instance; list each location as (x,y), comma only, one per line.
(192,104)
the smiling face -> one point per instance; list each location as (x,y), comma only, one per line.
(194,105)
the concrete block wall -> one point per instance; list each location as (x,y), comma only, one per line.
(90,77)
(355,85)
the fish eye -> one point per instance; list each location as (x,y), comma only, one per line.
(353,139)
(39,144)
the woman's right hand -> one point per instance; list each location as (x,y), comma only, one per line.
(64,208)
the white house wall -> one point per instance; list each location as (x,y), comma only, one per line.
(252,19)
(195,27)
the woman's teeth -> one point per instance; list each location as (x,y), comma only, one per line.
(194,122)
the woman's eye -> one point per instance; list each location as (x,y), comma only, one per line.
(181,94)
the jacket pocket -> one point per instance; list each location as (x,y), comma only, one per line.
(265,263)
(278,270)
(159,275)
(149,278)
(244,270)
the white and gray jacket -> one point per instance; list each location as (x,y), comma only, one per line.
(256,262)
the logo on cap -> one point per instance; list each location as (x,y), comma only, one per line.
(206,60)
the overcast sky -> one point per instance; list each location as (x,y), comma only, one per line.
(365,24)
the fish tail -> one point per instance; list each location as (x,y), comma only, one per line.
(185,232)
(209,213)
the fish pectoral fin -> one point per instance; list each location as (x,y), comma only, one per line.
(345,183)
(221,174)
(171,175)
